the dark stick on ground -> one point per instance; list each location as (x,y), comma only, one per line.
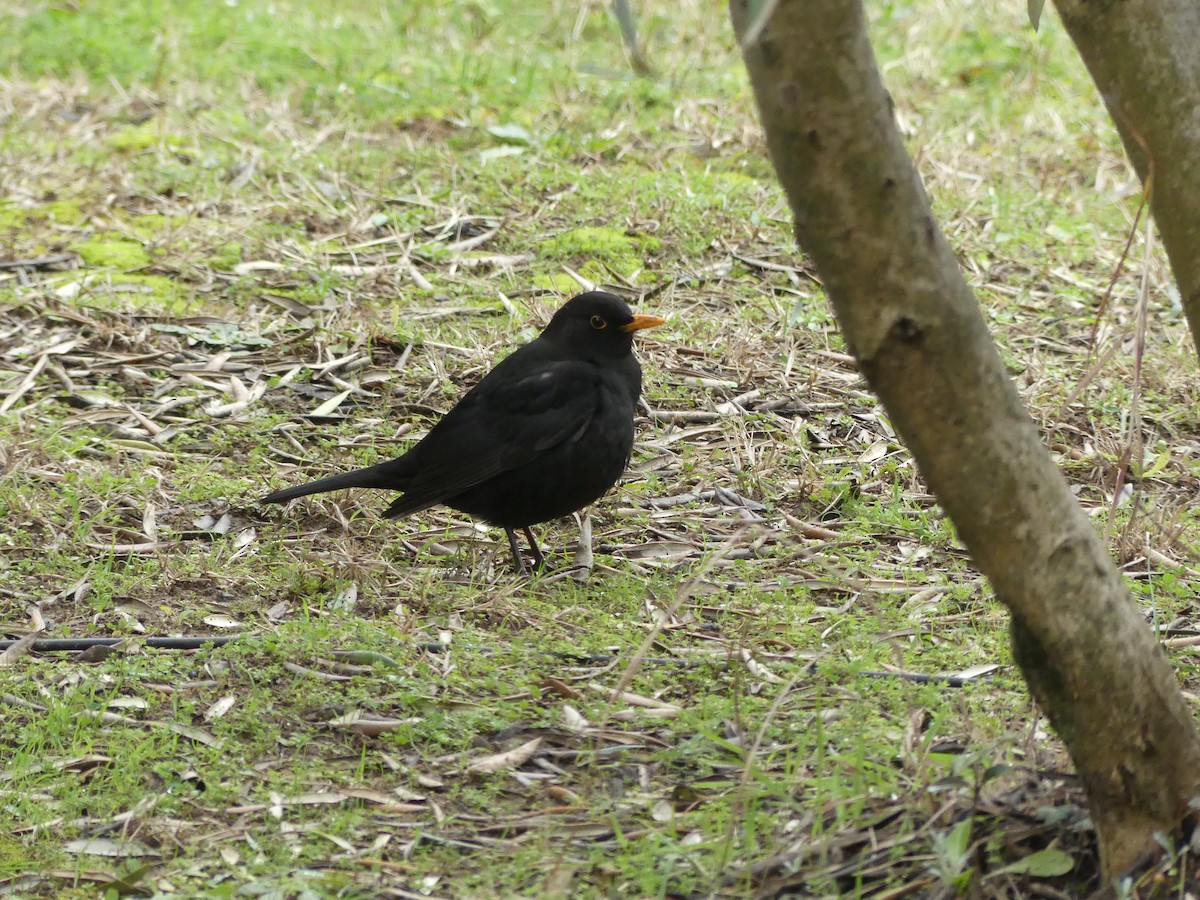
(63,645)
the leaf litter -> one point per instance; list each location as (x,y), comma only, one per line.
(712,489)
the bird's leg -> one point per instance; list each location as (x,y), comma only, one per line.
(539,561)
(516,551)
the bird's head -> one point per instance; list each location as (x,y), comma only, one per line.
(597,324)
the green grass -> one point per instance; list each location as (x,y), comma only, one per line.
(230,203)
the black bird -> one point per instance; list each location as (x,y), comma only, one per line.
(542,435)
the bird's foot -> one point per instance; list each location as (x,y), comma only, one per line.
(539,561)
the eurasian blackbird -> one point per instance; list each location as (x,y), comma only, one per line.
(542,435)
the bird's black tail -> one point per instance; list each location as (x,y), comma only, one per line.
(393,475)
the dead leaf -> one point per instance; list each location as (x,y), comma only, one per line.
(877,451)
(17,649)
(108,847)
(128,703)
(573,720)
(150,522)
(199,735)
(83,764)
(371,726)
(220,708)
(978,671)
(99,652)
(662,811)
(330,405)
(258,265)
(278,611)
(509,759)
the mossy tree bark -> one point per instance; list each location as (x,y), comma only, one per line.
(912,323)
(1144,56)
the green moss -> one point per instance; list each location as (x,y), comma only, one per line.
(227,256)
(149,225)
(160,286)
(115,254)
(126,291)
(556,281)
(62,212)
(594,271)
(138,138)
(590,247)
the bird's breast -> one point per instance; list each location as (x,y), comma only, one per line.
(569,475)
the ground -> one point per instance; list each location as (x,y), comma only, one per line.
(247,244)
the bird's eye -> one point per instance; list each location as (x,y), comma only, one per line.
(598,322)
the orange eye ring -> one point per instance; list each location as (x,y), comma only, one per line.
(598,322)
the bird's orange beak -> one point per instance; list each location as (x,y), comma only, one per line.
(641,321)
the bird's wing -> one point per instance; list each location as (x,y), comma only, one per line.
(502,423)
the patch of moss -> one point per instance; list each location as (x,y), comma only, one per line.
(227,256)
(136,291)
(138,138)
(610,246)
(152,223)
(62,212)
(594,271)
(159,285)
(115,254)
(560,282)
